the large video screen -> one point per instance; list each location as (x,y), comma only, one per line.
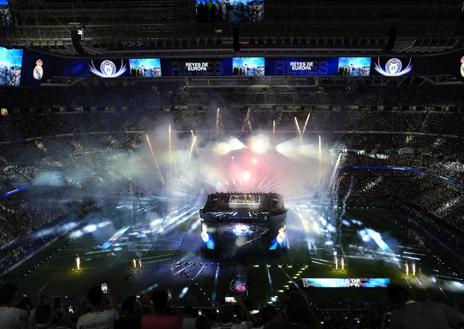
(145,67)
(234,11)
(354,66)
(346,282)
(6,18)
(302,66)
(248,66)
(10,66)
(197,67)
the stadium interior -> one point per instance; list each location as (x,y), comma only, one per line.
(248,163)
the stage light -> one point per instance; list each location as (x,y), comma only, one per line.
(210,244)
(235,144)
(90,228)
(281,236)
(76,234)
(288,149)
(155,223)
(241,229)
(259,144)
(222,148)
(246,175)
(204,233)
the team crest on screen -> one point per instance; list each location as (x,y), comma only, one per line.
(37,73)
(393,68)
(108,69)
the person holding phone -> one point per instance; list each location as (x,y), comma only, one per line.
(98,317)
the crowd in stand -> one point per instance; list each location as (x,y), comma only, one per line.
(18,218)
(22,220)
(233,11)
(436,202)
(154,311)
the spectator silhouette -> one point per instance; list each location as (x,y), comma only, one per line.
(45,319)
(11,317)
(98,317)
(421,315)
(298,314)
(161,316)
(202,322)
(226,319)
(130,314)
(268,314)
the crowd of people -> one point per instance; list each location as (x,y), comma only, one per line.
(9,76)
(20,221)
(100,310)
(434,203)
(249,71)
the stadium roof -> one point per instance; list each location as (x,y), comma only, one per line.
(123,27)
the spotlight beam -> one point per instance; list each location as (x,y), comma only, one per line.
(320,157)
(195,144)
(305,124)
(299,130)
(154,159)
(218,118)
(192,147)
(247,122)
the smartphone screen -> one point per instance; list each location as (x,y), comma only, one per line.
(104,288)
(230,300)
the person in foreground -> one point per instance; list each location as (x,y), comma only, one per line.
(161,316)
(298,314)
(11,317)
(98,317)
(421,315)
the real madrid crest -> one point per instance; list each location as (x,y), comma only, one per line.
(37,73)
